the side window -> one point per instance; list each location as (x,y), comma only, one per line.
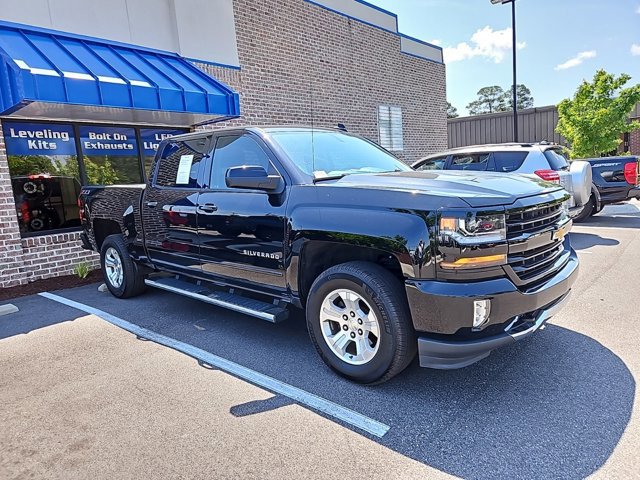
(474,161)
(509,161)
(236,151)
(433,164)
(180,163)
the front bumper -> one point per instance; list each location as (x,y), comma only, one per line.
(442,315)
(448,355)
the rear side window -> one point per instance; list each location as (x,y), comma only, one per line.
(475,161)
(557,161)
(180,163)
(433,164)
(509,161)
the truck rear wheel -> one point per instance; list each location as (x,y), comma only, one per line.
(359,321)
(121,275)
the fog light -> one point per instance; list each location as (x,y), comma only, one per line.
(481,312)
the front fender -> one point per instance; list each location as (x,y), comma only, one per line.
(404,234)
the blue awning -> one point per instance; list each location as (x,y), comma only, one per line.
(56,75)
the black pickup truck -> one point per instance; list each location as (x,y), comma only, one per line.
(386,261)
(615,180)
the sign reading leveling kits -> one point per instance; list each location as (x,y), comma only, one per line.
(108,141)
(38,138)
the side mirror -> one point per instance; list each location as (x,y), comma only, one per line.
(253,177)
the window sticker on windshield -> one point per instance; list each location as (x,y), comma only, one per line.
(184,169)
(319,174)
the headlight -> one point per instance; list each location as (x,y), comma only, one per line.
(474,229)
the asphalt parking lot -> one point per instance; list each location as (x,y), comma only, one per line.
(82,398)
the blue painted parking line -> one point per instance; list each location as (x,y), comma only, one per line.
(300,396)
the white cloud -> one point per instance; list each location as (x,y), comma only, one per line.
(577,60)
(635,50)
(436,41)
(486,43)
(638,10)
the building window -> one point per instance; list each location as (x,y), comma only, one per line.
(390,127)
(44,175)
(110,155)
(47,172)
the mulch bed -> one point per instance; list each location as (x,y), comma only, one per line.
(49,284)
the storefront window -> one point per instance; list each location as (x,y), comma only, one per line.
(44,175)
(151,138)
(110,155)
(47,172)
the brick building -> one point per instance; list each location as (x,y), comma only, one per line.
(88,88)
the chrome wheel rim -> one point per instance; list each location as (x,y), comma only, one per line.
(113,267)
(349,327)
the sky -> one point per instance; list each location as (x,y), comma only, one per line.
(560,42)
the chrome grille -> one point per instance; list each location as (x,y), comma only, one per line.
(539,263)
(532,263)
(532,220)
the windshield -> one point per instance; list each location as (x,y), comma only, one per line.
(332,154)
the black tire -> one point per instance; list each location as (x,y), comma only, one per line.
(386,296)
(132,278)
(588,210)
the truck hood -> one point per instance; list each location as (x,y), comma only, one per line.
(477,189)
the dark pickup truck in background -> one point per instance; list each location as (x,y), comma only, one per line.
(386,261)
(615,180)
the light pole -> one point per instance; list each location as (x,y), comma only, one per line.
(515,84)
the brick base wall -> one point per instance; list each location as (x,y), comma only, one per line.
(55,255)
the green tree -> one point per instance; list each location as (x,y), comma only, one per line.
(523,97)
(30,165)
(452,112)
(598,114)
(490,100)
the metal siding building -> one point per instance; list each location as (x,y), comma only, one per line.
(534,125)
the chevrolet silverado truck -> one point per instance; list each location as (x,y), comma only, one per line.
(387,262)
(615,180)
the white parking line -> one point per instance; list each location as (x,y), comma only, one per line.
(302,397)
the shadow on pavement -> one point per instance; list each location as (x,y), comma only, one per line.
(552,406)
(260,406)
(34,312)
(580,241)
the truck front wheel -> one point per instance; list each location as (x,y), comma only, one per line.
(121,274)
(359,322)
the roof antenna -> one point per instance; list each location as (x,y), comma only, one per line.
(341,127)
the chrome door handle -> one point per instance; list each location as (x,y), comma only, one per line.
(152,204)
(207,208)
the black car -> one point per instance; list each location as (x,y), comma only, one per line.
(386,261)
(615,180)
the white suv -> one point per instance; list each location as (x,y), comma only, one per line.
(544,160)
